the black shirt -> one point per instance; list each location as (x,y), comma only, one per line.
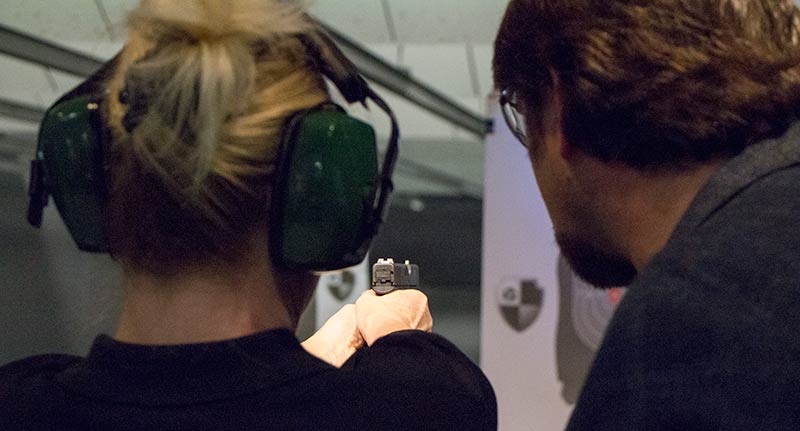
(406,380)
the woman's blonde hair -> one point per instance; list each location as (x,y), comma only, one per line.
(196,107)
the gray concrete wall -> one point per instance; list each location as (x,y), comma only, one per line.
(53,298)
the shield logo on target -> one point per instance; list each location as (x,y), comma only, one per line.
(341,284)
(520,302)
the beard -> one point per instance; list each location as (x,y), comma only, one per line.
(597,265)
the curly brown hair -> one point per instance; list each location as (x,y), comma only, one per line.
(655,83)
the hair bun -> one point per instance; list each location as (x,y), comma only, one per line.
(196,108)
(192,79)
(215,21)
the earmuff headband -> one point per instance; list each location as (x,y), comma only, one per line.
(335,66)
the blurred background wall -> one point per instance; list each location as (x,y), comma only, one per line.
(55,298)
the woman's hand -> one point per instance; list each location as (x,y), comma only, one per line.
(337,339)
(396,311)
(370,318)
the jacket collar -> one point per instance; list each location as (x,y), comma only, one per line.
(754,163)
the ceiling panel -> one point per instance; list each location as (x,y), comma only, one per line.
(117,13)
(443,66)
(76,24)
(424,21)
(447,21)
(480,19)
(363,20)
(63,20)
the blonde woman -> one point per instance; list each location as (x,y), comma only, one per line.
(203,120)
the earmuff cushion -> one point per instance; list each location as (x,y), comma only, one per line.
(321,202)
(70,143)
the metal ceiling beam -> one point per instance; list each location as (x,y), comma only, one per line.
(35,50)
(396,80)
(20,111)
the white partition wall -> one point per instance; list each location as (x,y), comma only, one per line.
(540,325)
(519,312)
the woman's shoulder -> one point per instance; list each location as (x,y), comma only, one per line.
(28,391)
(415,374)
(34,372)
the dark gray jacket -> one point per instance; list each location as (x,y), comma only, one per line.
(708,336)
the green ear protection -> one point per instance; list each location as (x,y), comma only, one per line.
(328,200)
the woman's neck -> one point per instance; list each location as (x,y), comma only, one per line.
(212,304)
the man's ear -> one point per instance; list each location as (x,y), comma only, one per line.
(554,118)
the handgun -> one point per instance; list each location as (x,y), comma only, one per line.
(388,275)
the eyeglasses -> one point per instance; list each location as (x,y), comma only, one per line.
(515,121)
